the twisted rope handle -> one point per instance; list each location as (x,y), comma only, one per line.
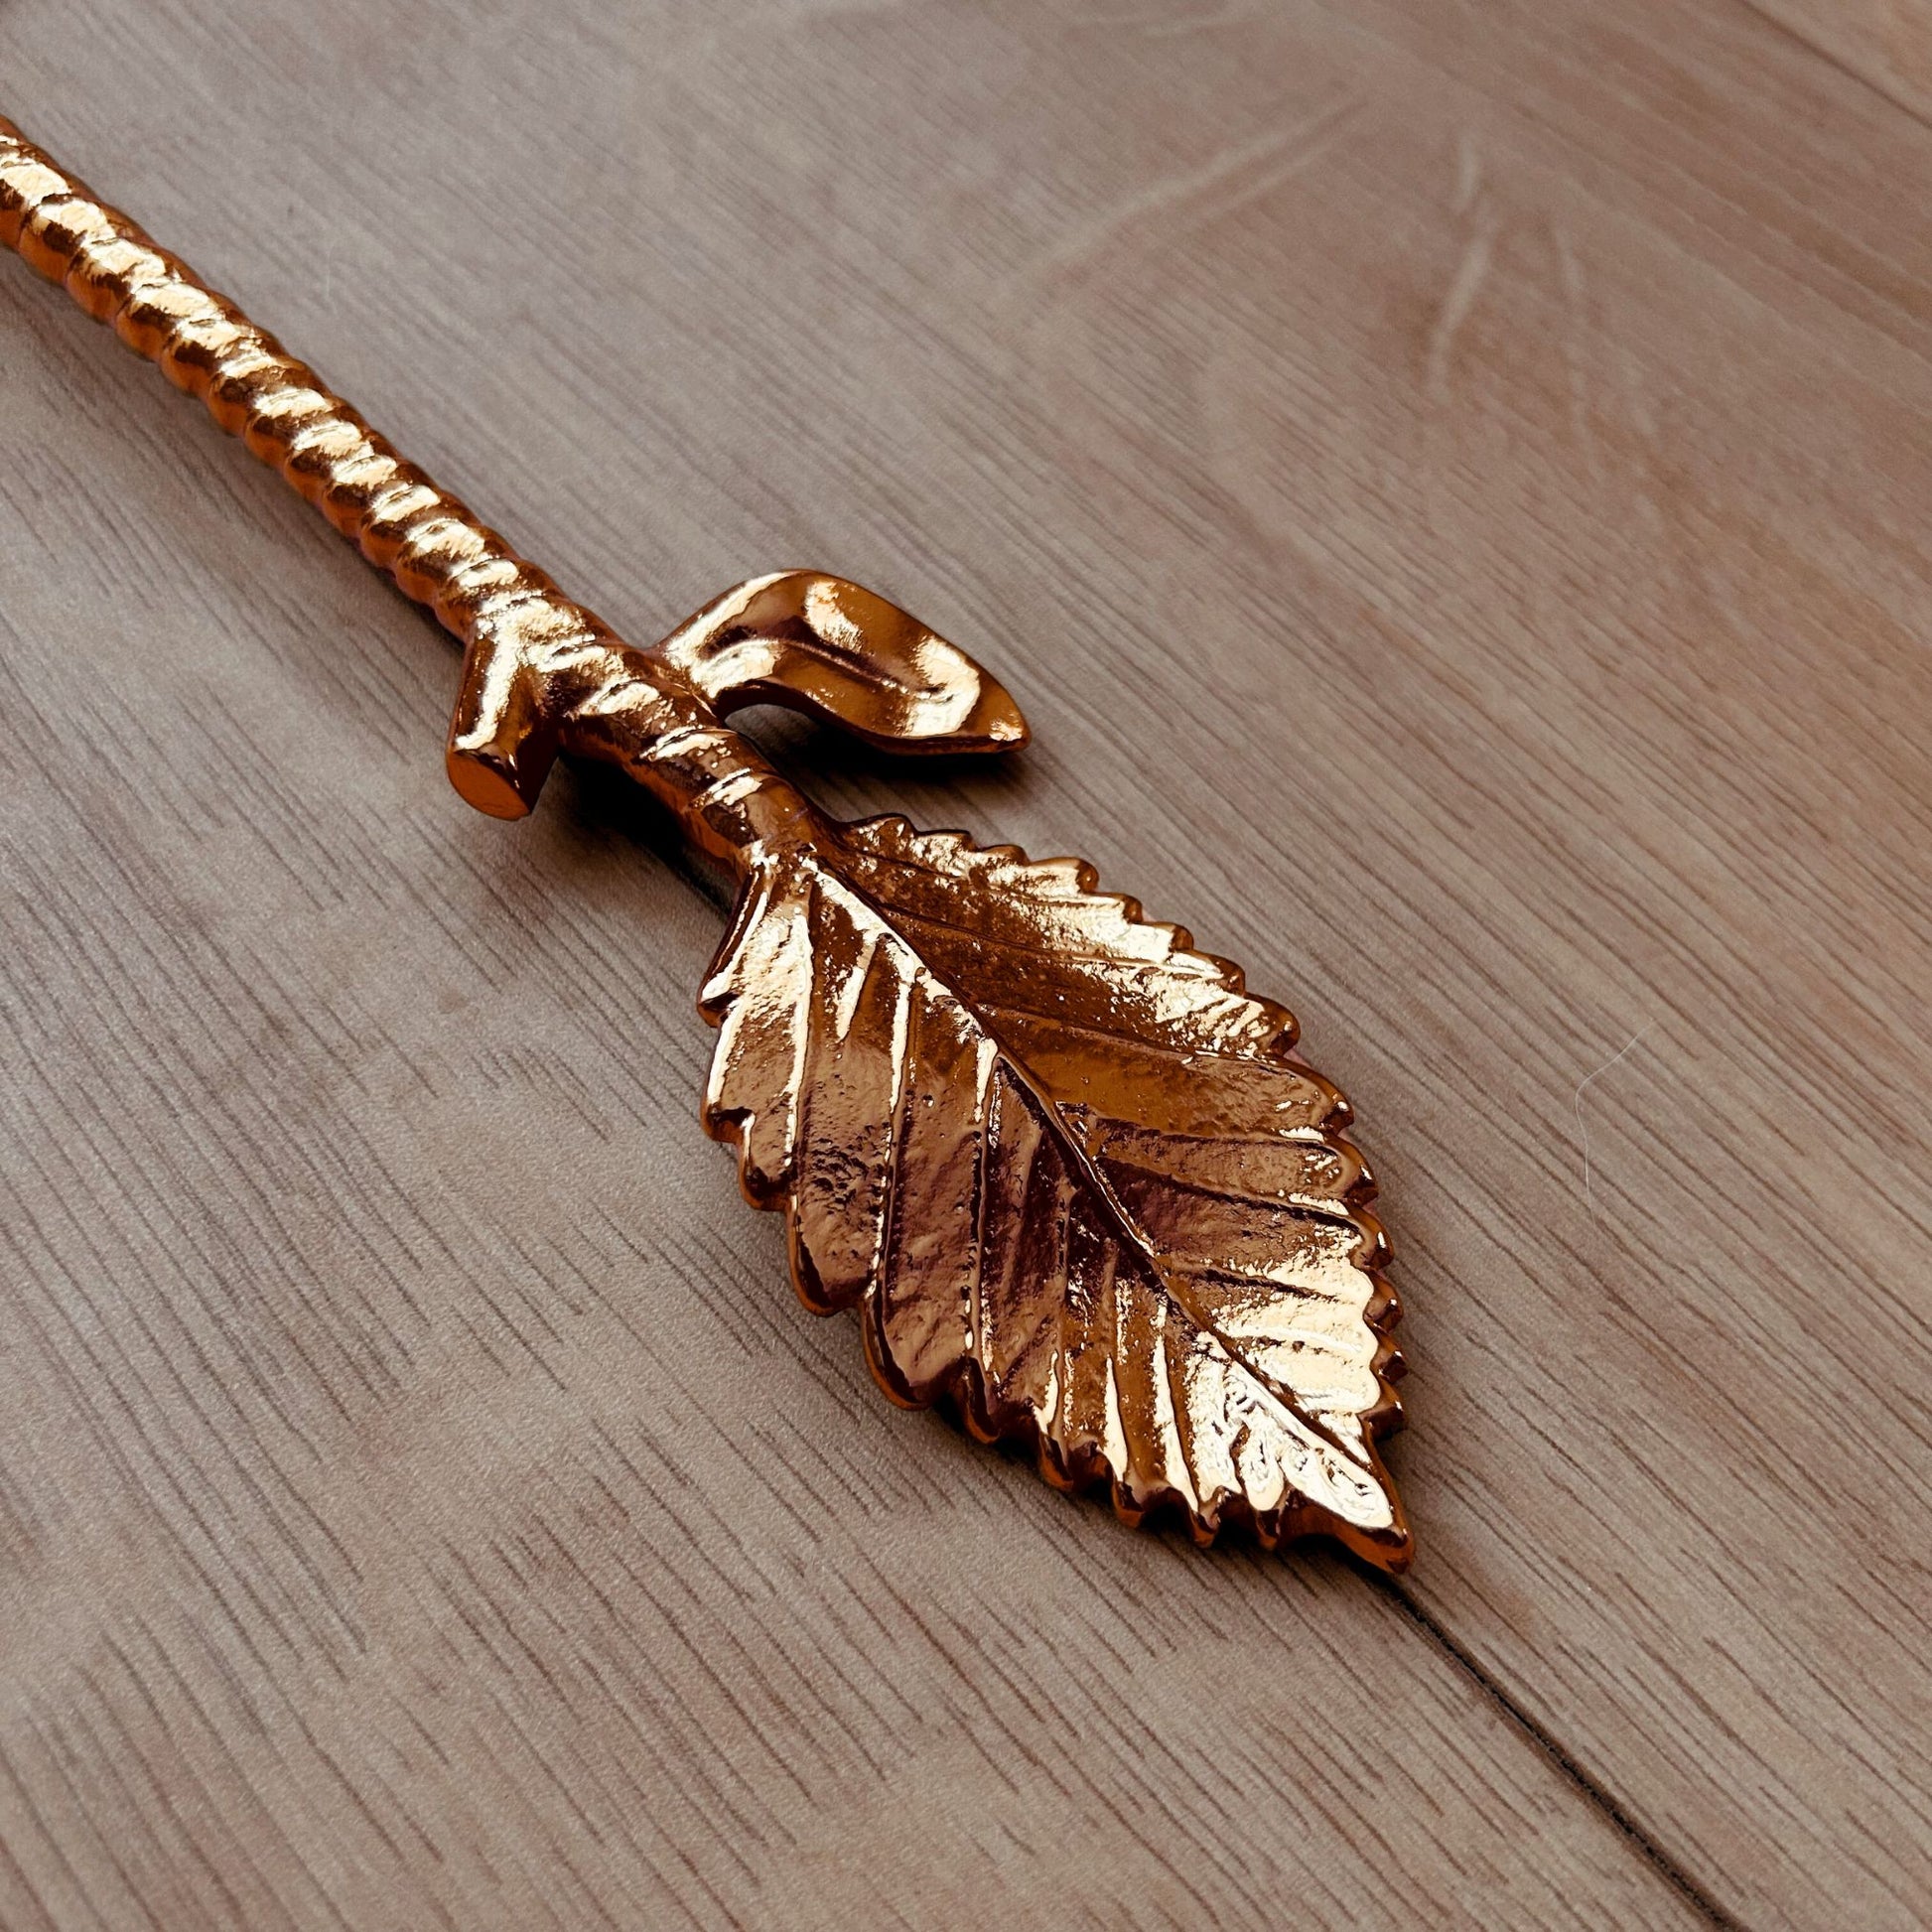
(543,673)
(429,542)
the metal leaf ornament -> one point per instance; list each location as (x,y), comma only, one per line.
(1070,1173)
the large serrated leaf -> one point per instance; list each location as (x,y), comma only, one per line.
(1070,1173)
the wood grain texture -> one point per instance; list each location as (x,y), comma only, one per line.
(1447,485)
(1887,44)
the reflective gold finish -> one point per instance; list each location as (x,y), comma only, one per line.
(1070,1173)
(821,645)
(1068,1170)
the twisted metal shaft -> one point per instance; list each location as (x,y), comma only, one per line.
(542,673)
(438,552)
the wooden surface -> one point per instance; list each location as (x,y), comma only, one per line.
(1448,486)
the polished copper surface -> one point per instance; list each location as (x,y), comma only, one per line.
(1070,1173)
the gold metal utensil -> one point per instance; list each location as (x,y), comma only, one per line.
(1068,1171)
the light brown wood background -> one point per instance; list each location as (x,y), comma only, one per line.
(1449,484)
